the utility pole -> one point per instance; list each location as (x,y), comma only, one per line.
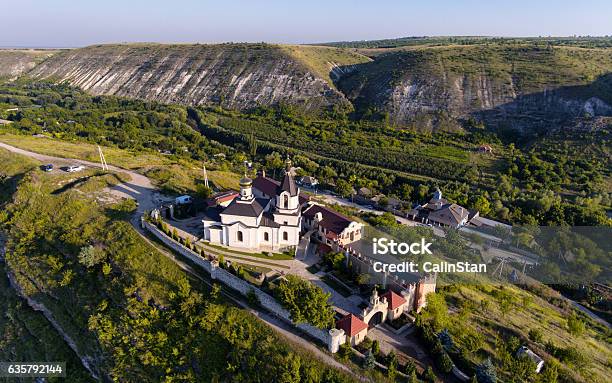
(500,267)
(205,177)
(102,159)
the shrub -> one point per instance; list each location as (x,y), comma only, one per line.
(575,325)
(91,256)
(485,373)
(444,362)
(369,360)
(409,367)
(252,298)
(375,347)
(345,352)
(535,335)
(429,375)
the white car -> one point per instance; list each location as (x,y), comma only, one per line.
(74,168)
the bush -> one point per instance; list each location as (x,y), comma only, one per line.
(409,367)
(575,325)
(345,352)
(252,298)
(366,344)
(375,347)
(485,373)
(535,335)
(369,362)
(444,362)
(429,375)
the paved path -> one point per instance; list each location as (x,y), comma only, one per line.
(404,345)
(142,190)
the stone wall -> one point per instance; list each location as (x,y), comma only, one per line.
(329,338)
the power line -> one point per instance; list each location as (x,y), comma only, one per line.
(102,159)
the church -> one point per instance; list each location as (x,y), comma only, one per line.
(263,220)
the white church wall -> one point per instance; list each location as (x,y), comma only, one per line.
(329,338)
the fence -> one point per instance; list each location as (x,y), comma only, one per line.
(332,339)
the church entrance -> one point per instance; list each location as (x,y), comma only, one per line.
(375,320)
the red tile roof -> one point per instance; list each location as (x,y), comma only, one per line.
(351,325)
(221,197)
(393,299)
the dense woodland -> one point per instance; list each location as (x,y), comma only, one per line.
(139,308)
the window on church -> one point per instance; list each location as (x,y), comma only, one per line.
(239,236)
(285,236)
(286,201)
(266,237)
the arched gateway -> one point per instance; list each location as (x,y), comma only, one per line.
(376,312)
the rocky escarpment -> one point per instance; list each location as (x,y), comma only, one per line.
(239,76)
(514,86)
(14,62)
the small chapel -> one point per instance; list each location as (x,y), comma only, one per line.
(258,221)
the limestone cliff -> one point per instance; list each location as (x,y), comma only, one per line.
(239,76)
(14,62)
(504,85)
(519,86)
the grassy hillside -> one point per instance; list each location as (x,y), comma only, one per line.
(551,184)
(585,42)
(325,62)
(523,83)
(25,335)
(495,319)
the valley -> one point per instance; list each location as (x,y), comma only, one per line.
(510,136)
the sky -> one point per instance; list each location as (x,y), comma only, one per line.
(72,23)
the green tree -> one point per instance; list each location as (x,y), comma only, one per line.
(486,373)
(306,302)
(369,362)
(483,205)
(91,256)
(274,161)
(344,188)
(335,259)
(436,311)
(406,192)
(204,191)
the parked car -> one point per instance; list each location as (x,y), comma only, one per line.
(47,167)
(74,168)
(183,200)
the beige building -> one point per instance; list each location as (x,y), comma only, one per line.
(354,328)
(256,222)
